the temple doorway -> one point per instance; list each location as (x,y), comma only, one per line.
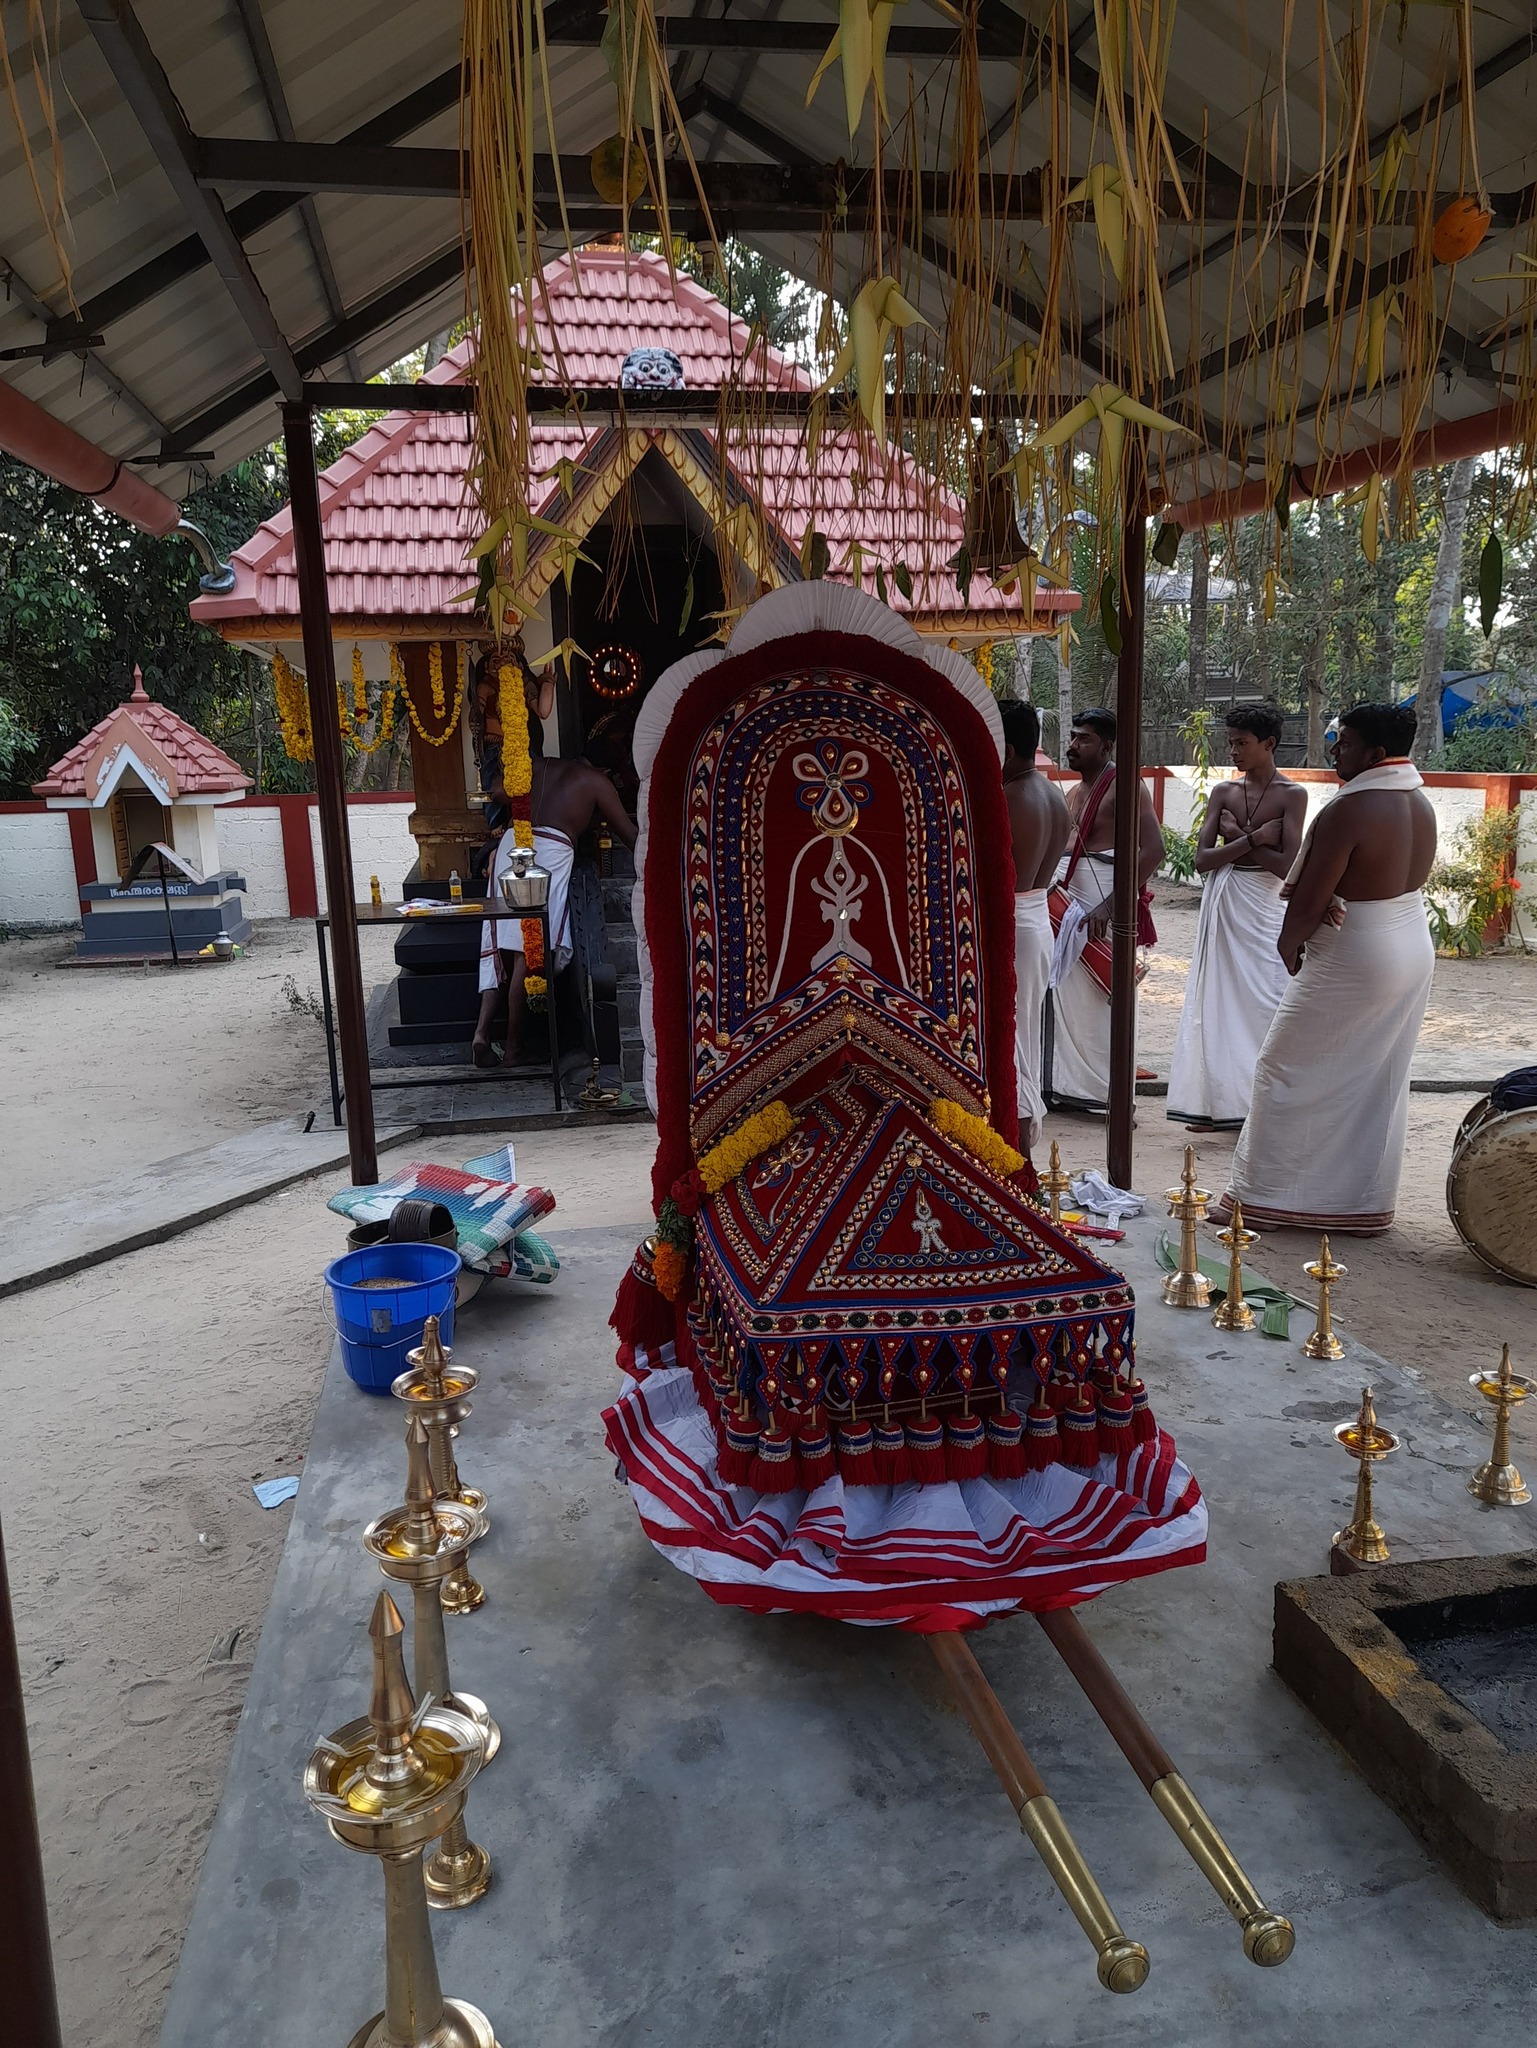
(650,593)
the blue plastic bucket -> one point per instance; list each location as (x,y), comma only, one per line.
(379,1324)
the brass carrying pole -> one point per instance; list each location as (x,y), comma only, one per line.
(1122,1963)
(1268,1938)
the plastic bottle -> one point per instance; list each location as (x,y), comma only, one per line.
(455,888)
(605,849)
(375,893)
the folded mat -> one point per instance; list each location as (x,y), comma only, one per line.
(491,1217)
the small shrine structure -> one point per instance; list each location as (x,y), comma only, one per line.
(676,525)
(143,776)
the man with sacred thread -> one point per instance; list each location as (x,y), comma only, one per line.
(1038,826)
(1076,1044)
(565,798)
(1249,839)
(1324,1143)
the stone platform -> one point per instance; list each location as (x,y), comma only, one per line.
(779,1831)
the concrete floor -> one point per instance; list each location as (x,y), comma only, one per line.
(779,1831)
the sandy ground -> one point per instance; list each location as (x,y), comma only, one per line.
(156,1388)
(156,1060)
(140,1560)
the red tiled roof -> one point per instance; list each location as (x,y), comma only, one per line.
(201,768)
(399,518)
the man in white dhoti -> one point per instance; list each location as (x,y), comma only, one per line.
(1248,841)
(566,798)
(1038,825)
(1076,1035)
(1324,1143)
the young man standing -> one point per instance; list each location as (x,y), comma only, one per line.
(1249,839)
(1324,1143)
(1076,1056)
(1038,826)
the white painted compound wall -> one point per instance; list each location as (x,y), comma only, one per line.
(37,870)
(381,845)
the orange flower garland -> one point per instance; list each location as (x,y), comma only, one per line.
(518,780)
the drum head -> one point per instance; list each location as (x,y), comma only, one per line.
(1491,1192)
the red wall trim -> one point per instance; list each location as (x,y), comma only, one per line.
(81,847)
(13,810)
(298,853)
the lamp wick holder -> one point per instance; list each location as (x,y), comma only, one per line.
(1497,1483)
(1367,1442)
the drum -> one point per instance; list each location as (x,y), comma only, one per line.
(1491,1188)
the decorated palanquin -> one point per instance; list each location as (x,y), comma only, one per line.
(867,1376)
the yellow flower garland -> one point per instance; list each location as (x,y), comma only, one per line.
(293,700)
(723,1162)
(974,1136)
(293,711)
(439,701)
(518,781)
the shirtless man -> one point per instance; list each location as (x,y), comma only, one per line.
(567,796)
(1038,826)
(1249,839)
(1076,1060)
(1324,1143)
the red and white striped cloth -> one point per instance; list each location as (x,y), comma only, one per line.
(917,1557)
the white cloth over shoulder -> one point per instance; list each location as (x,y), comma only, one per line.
(1075,1065)
(1032,966)
(1237,980)
(555,853)
(1324,1143)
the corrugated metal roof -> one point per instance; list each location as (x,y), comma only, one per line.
(399,519)
(177,354)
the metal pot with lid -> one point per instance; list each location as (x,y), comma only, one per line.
(527,885)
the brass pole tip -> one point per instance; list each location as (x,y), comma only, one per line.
(1123,1964)
(1268,1939)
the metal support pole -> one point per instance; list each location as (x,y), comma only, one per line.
(170,922)
(330,788)
(1128,796)
(27,1994)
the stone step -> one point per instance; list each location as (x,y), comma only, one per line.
(620,942)
(617,892)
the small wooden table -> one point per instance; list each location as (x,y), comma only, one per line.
(390,914)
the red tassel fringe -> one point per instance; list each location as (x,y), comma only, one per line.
(1143,1427)
(737,1452)
(642,1317)
(1079,1425)
(1115,1422)
(926,1452)
(816,1458)
(774,1469)
(893,1466)
(965,1448)
(1043,1439)
(1006,1445)
(856,1456)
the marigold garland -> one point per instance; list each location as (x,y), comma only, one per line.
(293,700)
(439,701)
(669,1268)
(723,1162)
(518,781)
(293,711)
(975,1136)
